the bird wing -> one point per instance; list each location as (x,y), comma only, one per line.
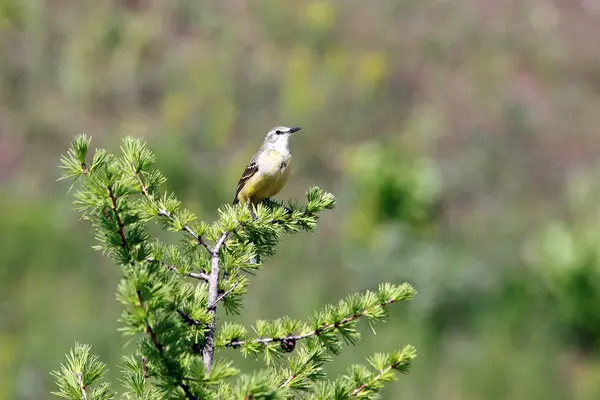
(248,173)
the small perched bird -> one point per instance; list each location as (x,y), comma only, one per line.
(268,171)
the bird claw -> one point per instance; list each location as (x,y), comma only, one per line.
(254,217)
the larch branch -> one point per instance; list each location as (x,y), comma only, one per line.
(213,287)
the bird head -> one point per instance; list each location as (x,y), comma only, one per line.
(279,136)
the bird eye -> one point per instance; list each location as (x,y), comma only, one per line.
(278,132)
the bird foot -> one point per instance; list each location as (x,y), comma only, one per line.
(252,213)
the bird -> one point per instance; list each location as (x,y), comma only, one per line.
(268,170)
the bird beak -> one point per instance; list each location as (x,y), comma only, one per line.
(296,129)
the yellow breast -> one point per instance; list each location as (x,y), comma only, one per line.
(273,172)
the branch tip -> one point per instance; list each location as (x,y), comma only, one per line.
(81,386)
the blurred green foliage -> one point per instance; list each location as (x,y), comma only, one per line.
(566,256)
(459,137)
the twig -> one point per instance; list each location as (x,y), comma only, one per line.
(265,341)
(164,213)
(145,368)
(199,239)
(287,381)
(120,225)
(202,276)
(213,287)
(81,386)
(198,275)
(188,319)
(377,377)
(149,329)
(318,331)
(223,295)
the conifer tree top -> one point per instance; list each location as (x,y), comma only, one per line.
(171,293)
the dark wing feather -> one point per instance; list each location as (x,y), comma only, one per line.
(250,170)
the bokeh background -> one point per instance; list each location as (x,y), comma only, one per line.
(461,138)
